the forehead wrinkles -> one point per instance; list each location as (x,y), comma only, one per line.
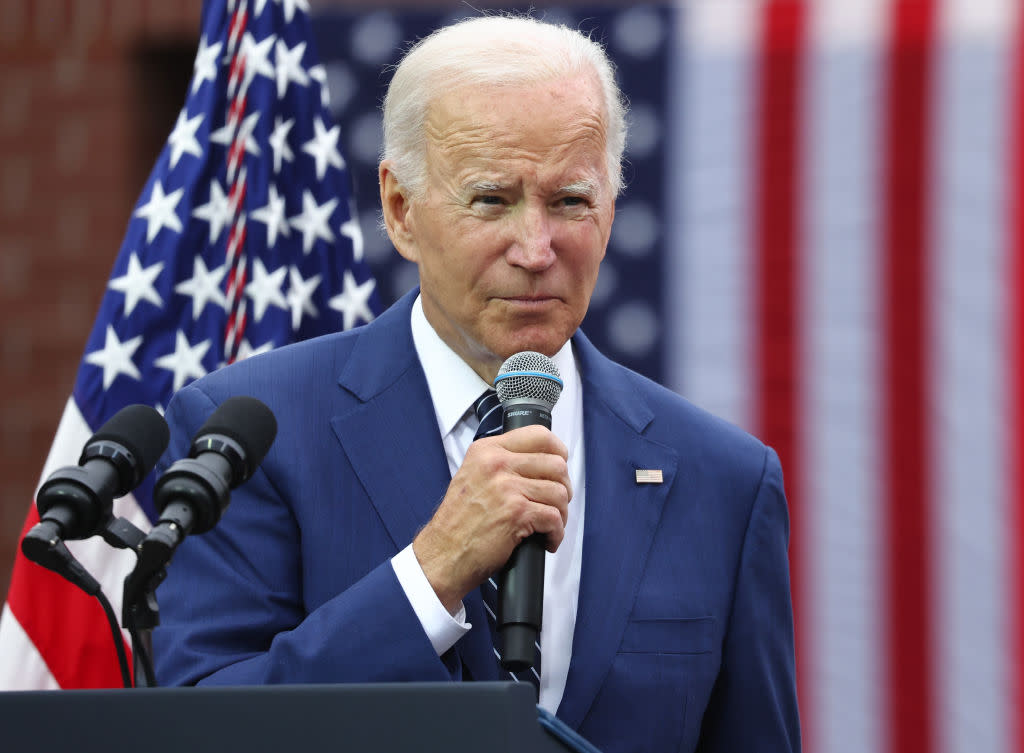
(467,133)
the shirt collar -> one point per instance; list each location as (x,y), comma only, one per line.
(454,385)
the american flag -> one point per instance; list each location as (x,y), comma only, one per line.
(849,281)
(822,240)
(244,239)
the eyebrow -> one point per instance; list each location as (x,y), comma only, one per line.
(485,186)
(584,187)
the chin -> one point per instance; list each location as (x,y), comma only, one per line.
(546,344)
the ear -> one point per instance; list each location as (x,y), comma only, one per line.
(396,206)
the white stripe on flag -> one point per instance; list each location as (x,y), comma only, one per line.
(21,666)
(973,587)
(709,271)
(840,357)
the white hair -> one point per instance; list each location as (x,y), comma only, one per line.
(485,51)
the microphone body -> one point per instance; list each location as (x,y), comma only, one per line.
(76,502)
(528,386)
(193,493)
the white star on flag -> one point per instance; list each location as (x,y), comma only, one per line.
(183,138)
(186,360)
(323,147)
(204,287)
(205,68)
(300,296)
(272,215)
(313,222)
(351,230)
(115,357)
(159,212)
(279,142)
(353,301)
(216,211)
(290,6)
(289,66)
(137,284)
(245,349)
(226,134)
(257,61)
(265,289)
(319,74)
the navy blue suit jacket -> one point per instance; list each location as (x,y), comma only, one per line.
(684,632)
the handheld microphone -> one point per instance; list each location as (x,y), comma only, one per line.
(528,386)
(193,493)
(76,502)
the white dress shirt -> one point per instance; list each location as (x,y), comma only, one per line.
(454,386)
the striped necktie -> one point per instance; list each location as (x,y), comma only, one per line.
(488,409)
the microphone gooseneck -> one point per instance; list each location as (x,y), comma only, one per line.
(528,386)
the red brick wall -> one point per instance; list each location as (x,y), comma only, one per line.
(76,144)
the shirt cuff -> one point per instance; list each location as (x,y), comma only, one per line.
(442,628)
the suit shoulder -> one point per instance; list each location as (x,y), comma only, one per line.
(287,366)
(676,421)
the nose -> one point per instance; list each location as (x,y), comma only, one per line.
(532,247)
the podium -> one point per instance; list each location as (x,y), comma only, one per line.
(373,718)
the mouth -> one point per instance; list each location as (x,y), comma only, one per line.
(528,300)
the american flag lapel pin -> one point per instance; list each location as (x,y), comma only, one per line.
(649,476)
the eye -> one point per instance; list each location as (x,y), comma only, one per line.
(489,200)
(573,202)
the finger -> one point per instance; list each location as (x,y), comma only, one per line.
(537,465)
(547,493)
(546,520)
(490,461)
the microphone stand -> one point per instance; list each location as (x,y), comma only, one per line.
(139,610)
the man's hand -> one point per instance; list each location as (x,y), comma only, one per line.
(509,487)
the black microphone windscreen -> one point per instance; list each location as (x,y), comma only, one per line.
(248,422)
(139,429)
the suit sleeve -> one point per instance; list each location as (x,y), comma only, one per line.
(232,608)
(753,706)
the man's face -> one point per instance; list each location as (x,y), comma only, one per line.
(515,218)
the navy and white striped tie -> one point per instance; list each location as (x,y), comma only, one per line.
(488,409)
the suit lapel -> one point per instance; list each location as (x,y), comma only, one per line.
(621,519)
(390,437)
(390,431)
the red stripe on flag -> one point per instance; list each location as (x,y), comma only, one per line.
(776,278)
(78,648)
(906,390)
(1015,295)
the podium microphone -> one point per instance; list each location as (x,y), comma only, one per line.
(528,386)
(76,502)
(192,494)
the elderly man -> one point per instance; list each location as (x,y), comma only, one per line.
(359,552)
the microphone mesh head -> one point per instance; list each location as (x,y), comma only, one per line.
(529,375)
